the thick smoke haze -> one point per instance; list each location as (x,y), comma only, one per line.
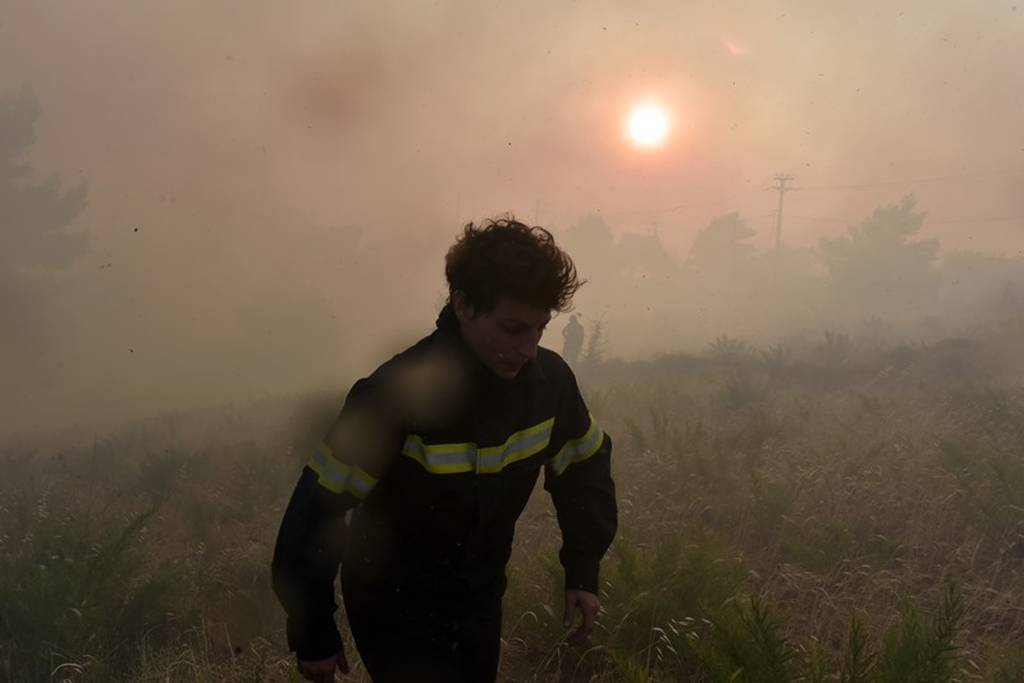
(254,198)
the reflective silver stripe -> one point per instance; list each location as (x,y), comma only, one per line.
(338,477)
(578,450)
(454,458)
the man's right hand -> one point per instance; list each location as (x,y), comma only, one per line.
(322,670)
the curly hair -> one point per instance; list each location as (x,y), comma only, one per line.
(506,258)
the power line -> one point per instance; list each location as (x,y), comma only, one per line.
(919,181)
(671,209)
(819,219)
(1007,173)
(999,219)
(980,219)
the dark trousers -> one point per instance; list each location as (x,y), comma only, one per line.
(419,642)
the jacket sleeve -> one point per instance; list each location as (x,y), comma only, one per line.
(342,471)
(578,477)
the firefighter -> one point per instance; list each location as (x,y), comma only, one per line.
(436,454)
(573,338)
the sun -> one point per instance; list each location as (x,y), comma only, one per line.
(648,125)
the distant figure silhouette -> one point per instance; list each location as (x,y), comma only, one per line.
(573,334)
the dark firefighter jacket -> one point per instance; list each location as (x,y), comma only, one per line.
(436,457)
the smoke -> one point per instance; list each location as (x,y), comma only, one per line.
(270,190)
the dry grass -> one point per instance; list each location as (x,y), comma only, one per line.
(763,507)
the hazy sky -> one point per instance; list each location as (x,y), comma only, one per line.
(382,114)
(237,135)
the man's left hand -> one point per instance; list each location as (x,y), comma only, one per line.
(588,606)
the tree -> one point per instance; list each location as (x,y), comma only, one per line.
(35,241)
(596,250)
(723,242)
(878,268)
(717,283)
(640,254)
(979,288)
(34,218)
(591,243)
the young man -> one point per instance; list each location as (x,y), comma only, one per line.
(436,454)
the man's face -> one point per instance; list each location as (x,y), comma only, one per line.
(504,339)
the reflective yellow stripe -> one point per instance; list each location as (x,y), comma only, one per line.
(578,450)
(454,458)
(519,446)
(338,477)
(446,458)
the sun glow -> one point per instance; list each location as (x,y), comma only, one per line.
(648,125)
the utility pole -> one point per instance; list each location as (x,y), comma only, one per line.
(781,179)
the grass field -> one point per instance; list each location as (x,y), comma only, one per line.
(834,513)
